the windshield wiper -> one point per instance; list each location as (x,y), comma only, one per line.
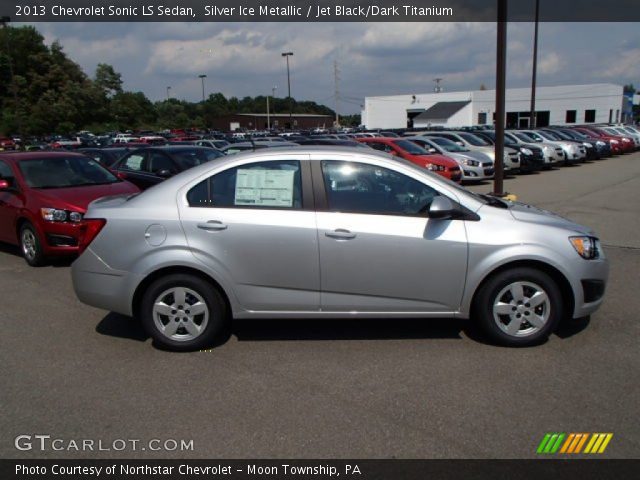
(494,201)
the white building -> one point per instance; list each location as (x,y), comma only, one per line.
(561,105)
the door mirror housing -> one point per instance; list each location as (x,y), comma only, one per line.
(443,208)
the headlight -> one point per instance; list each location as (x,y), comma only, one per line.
(435,168)
(526,151)
(587,247)
(470,162)
(57,215)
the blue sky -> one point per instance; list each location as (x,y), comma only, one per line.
(243,59)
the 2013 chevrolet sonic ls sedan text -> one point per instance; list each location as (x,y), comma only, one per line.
(327,232)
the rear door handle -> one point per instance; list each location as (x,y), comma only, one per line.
(341,234)
(212,225)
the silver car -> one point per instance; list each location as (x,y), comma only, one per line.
(325,232)
(475,166)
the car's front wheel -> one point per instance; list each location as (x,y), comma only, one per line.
(519,307)
(183,312)
(30,245)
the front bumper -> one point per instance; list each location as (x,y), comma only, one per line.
(589,290)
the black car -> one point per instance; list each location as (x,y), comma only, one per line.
(332,141)
(105,156)
(146,167)
(531,156)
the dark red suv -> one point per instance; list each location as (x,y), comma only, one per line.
(43,196)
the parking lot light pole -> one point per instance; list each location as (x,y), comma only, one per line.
(501,70)
(268,120)
(202,77)
(287,55)
(168,93)
(532,115)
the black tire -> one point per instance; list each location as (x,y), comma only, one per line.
(30,245)
(528,334)
(217,315)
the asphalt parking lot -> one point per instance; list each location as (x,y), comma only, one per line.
(344,389)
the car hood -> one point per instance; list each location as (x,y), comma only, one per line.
(528,213)
(479,156)
(78,198)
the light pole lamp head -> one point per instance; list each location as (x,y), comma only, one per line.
(286,54)
(202,76)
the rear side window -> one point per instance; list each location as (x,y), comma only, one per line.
(275,184)
(133,162)
(361,188)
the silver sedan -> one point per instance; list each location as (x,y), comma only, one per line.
(331,233)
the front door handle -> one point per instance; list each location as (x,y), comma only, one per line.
(341,234)
(212,225)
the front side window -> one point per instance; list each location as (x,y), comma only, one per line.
(274,184)
(133,162)
(361,188)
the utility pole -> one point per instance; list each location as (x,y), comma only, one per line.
(336,79)
(532,115)
(287,55)
(268,121)
(202,77)
(437,88)
(168,93)
(501,71)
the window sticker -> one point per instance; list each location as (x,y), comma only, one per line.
(266,188)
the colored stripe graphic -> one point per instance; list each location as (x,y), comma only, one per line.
(598,442)
(551,443)
(573,443)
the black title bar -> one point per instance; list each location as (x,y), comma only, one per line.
(315,10)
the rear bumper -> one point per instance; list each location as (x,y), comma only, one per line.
(100,286)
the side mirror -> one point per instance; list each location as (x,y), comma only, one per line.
(442,207)
(164,173)
(432,150)
(4,184)
(460,143)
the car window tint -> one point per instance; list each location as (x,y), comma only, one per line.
(159,161)
(361,188)
(5,170)
(274,184)
(133,162)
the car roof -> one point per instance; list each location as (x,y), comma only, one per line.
(35,155)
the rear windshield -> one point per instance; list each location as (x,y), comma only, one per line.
(192,158)
(62,172)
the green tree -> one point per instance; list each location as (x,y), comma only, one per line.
(108,80)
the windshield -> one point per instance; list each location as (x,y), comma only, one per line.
(410,147)
(547,136)
(474,140)
(63,172)
(191,158)
(562,135)
(448,145)
(522,136)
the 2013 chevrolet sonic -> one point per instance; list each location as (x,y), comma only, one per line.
(325,232)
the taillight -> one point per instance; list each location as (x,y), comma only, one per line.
(89,230)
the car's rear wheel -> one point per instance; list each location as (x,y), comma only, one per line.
(30,245)
(519,307)
(183,312)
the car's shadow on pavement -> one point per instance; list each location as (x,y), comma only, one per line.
(121,326)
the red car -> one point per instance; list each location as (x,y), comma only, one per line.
(7,144)
(440,164)
(43,196)
(619,144)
